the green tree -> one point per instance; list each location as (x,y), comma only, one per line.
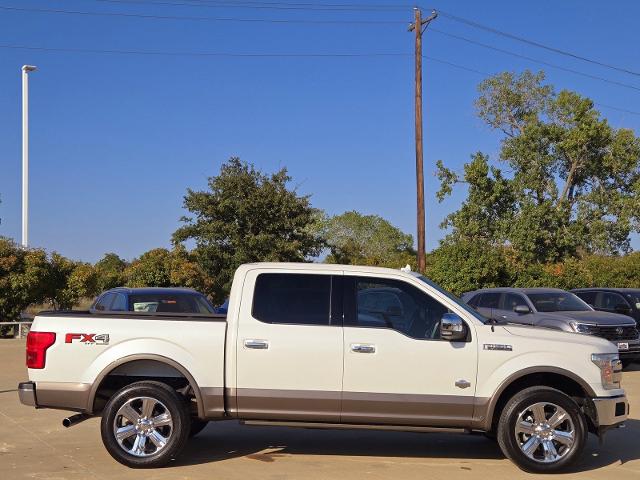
(110,271)
(166,268)
(247,216)
(68,281)
(23,278)
(356,239)
(152,269)
(573,179)
(466,265)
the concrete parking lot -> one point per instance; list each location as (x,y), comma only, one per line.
(34,445)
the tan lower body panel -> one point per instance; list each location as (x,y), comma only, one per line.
(306,405)
(67,396)
(407,409)
(354,407)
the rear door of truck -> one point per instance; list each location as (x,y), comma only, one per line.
(290,345)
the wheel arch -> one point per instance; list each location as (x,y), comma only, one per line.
(549,376)
(129,359)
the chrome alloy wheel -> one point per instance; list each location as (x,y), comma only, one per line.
(545,432)
(142,426)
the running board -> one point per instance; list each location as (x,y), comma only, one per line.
(352,426)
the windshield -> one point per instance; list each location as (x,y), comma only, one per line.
(634,296)
(453,298)
(557,302)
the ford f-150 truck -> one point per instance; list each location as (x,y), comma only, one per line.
(327,346)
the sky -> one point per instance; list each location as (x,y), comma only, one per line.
(116,139)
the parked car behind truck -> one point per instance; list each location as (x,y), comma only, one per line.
(557,309)
(625,301)
(315,345)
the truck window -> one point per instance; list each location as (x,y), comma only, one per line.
(489,300)
(119,303)
(589,297)
(386,303)
(104,302)
(513,300)
(168,303)
(292,298)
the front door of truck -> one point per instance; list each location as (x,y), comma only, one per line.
(397,370)
(289,349)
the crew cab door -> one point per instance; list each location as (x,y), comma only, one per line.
(397,370)
(289,349)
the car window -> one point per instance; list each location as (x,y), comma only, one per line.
(104,302)
(490,300)
(609,300)
(166,303)
(589,297)
(512,300)
(119,303)
(393,304)
(473,301)
(557,302)
(301,299)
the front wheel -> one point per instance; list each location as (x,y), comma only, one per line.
(542,430)
(145,424)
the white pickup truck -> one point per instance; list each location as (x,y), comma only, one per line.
(326,346)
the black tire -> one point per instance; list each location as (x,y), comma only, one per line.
(167,401)
(197,426)
(510,443)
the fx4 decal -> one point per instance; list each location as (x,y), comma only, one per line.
(87,338)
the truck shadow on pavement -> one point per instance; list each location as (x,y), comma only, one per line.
(229,440)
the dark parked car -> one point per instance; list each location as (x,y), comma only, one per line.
(625,301)
(555,308)
(152,300)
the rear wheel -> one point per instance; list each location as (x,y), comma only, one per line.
(145,424)
(542,430)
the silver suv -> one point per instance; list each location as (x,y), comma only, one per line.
(555,308)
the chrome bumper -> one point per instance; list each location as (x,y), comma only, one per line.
(27,393)
(611,411)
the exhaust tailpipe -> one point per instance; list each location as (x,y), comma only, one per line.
(74,419)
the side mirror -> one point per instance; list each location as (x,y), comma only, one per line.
(521,309)
(452,328)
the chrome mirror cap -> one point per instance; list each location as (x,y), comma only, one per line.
(453,328)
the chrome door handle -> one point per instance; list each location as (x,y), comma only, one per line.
(463,384)
(363,348)
(256,344)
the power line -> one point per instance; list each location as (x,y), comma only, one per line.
(210,19)
(270,5)
(535,60)
(269,55)
(206,54)
(534,43)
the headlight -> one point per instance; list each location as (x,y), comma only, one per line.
(586,328)
(610,369)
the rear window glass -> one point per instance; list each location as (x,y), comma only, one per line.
(292,298)
(168,303)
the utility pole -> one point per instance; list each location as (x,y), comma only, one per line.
(419,27)
(25,153)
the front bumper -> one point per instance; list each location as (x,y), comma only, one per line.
(27,394)
(609,412)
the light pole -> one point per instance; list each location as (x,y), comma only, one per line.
(25,153)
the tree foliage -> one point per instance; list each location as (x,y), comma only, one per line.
(165,268)
(246,216)
(110,269)
(573,180)
(356,239)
